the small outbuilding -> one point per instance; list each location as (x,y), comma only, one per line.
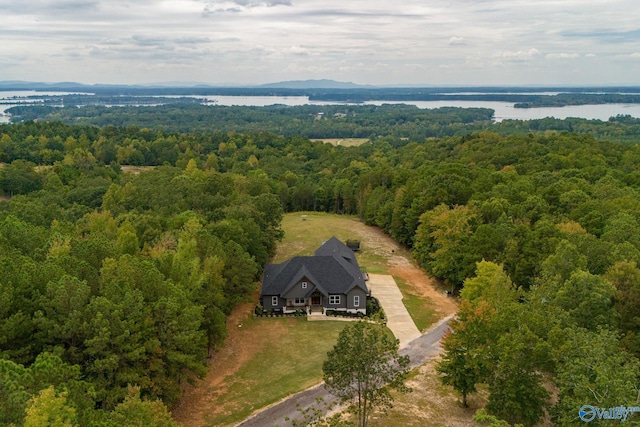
(354,245)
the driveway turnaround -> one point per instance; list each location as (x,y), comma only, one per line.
(399,321)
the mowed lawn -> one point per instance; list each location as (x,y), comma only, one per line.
(291,361)
(420,309)
(306,231)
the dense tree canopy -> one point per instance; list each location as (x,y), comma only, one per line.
(125,275)
(126,278)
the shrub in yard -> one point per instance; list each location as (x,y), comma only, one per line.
(373,306)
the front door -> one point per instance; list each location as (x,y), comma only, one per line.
(315,300)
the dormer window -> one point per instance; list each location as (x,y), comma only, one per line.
(304,285)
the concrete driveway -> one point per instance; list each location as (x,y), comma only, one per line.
(399,321)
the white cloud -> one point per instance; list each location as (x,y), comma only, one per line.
(267,3)
(562,56)
(457,41)
(236,6)
(520,55)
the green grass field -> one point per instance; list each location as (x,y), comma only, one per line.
(420,308)
(304,232)
(304,236)
(344,142)
(299,348)
(135,170)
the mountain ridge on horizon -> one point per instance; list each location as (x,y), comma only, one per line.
(326,89)
(288,84)
(316,84)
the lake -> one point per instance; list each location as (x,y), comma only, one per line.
(503,110)
(13,98)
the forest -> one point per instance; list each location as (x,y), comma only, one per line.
(398,123)
(338,121)
(116,285)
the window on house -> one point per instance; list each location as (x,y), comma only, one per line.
(356,301)
(274,301)
(304,285)
(334,299)
(299,301)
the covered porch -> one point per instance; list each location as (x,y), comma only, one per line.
(314,303)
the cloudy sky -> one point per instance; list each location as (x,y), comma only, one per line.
(432,42)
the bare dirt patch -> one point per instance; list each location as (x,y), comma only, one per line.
(430,403)
(240,345)
(427,287)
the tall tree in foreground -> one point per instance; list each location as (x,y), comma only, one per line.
(467,349)
(362,367)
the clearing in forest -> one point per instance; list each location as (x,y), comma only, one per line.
(135,170)
(242,375)
(343,142)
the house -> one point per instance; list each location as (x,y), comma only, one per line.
(329,280)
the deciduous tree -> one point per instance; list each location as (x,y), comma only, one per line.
(362,367)
(464,363)
(136,412)
(592,370)
(49,409)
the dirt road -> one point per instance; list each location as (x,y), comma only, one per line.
(400,264)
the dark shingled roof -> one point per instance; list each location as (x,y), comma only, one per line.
(334,247)
(334,270)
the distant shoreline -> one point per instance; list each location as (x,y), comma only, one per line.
(519,96)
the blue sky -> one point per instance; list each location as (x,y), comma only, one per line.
(431,42)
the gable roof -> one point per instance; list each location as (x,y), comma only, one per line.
(334,247)
(304,273)
(333,270)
